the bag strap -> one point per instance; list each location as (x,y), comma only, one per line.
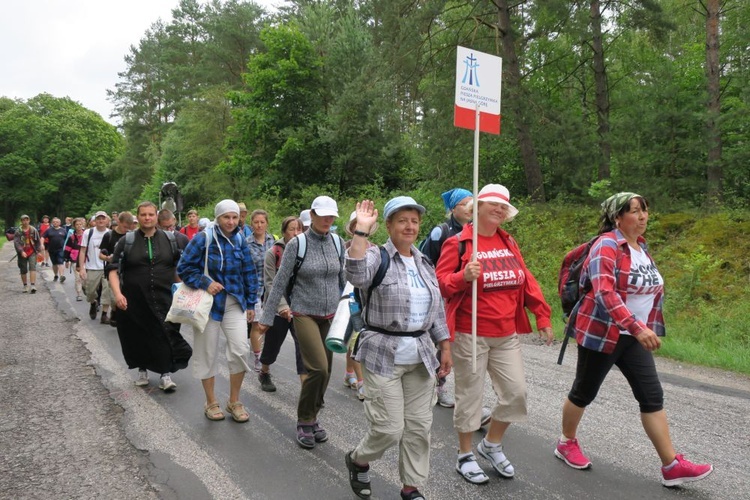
(385,263)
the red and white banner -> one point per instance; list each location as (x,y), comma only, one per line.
(478,82)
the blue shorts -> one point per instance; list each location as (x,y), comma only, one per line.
(57,258)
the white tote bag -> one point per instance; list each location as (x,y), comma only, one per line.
(192,306)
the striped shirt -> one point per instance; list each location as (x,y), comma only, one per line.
(389,309)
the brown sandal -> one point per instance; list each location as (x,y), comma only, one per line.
(238,412)
(213,412)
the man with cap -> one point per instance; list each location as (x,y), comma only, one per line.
(27,244)
(246,231)
(92,266)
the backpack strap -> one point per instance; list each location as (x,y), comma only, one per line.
(176,253)
(301,252)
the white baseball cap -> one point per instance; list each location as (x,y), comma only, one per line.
(325,206)
(304,216)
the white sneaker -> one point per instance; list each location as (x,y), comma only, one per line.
(26,289)
(142,378)
(444,397)
(166,384)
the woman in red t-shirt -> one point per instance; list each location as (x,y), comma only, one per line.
(505,287)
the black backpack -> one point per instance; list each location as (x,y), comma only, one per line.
(568,278)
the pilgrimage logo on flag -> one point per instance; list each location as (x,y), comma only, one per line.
(478,82)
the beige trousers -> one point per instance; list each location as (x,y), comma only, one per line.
(500,357)
(206,343)
(399,410)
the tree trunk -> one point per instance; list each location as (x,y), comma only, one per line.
(602,91)
(513,103)
(714,173)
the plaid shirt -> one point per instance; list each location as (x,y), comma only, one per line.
(389,309)
(258,252)
(603,312)
(229,263)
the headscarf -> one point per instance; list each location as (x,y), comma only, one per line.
(225,207)
(452,197)
(612,205)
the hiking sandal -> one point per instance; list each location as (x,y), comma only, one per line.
(213,412)
(238,412)
(470,470)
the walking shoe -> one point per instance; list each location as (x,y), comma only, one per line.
(55,278)
(26,289)
(444,397)
(570,453)
(92,310)
(497,458)
(166,384)
(412,495)
(62,279)
(105,319)
(359,477)
(266,384)
(319,433)
(305,436)
(33,288)
(361,391)
(350,380)
(79,298)
(470,470)
(486,416)
(142,378)
(684,471)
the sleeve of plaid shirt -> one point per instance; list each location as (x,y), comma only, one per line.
(249,277)
(190,267)
(602,272)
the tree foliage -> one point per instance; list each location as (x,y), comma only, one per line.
(53,156)
(346,97)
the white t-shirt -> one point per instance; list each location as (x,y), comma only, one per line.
(644,283)
(92,248)
(420,301)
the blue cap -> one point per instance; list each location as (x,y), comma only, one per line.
(452,197)
(399,202)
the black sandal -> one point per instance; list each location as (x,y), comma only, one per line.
(359,477)
(412,495)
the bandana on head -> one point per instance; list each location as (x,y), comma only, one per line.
(612,205)
(452,197)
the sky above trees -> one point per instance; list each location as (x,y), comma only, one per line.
(74,48)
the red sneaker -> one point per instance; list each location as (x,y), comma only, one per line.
(570,453)
(684,471)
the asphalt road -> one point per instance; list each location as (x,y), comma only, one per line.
(73,425)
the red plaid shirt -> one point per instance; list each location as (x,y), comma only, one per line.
(602,312)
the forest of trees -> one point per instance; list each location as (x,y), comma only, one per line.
(344,97)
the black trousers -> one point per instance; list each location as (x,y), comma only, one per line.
(635,362)
(274,339)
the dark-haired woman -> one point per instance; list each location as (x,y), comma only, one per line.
(282,323)
(619,322)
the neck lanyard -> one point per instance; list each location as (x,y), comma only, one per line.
(150,250)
